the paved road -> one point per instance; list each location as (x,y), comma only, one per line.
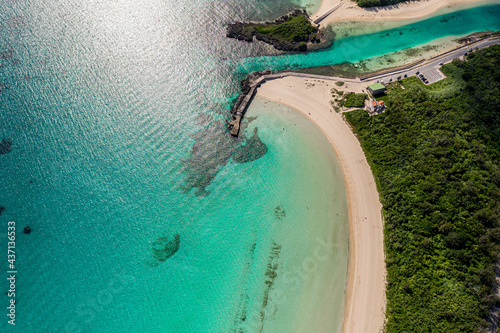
(431,68)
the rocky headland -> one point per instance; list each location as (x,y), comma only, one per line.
(293,32)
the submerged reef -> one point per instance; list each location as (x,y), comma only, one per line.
(289,33)
(240,319)
(212,150)
(271,274)
(164,248)
(279,213)
(5,146)
(251,151)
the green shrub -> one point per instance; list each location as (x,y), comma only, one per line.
(296,29)
(354,100)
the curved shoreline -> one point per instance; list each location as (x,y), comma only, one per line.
(365,301)
(365,293)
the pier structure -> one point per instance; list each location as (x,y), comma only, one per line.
(243,105)
(424,65)
(325,15)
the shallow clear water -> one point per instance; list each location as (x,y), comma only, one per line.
(356,48)
(117,110)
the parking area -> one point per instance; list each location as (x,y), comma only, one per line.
(431,69)
(432,75)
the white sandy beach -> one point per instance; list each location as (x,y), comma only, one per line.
(404,12)
(365,295)
(365,298)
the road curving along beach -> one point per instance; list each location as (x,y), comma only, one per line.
(365,301)
(365,293)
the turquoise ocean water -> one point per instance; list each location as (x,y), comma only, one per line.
(116,111)
(356,48)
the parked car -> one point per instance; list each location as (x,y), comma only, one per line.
(440,64)
(406,76)
(417,73)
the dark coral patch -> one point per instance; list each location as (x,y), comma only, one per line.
(9,54)
(17,21)
(254,149)
(211,151)
(5,146)
(164,248)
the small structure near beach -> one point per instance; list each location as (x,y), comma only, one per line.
(376,89)
(375,108)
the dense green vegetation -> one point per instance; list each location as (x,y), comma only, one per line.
(373,3)
(354,100)
(348,99)
(435,154)
(296,29)
(289,33)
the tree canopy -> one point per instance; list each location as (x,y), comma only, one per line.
(435,154)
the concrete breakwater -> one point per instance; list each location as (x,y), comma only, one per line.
(325,15)
(253,80)
(248,88)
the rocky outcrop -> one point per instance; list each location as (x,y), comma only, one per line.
(251,151)
(247,30)
(241,31)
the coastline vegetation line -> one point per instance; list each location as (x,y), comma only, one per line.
(435,154)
